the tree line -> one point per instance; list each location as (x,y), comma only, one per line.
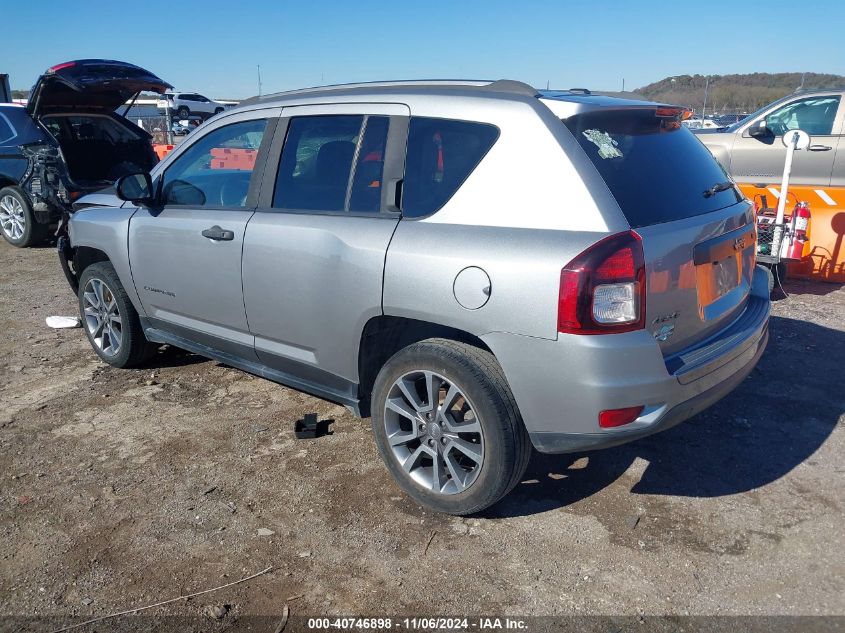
(735,93)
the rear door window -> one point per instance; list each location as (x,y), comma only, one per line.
(657,170)
(442,153)
(332,163)
(365,195)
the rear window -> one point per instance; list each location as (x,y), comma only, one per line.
(6,131)
(657,170)
(442,153)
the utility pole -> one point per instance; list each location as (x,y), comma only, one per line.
(801,87)
(623,84)
(704,107)
(259,79)
(168,121)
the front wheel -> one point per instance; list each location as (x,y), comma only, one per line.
(183,112)
(109,318)
(447,426)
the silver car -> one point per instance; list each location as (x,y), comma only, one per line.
(751,151)
(479,267)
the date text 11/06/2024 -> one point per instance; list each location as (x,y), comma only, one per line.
(423,624)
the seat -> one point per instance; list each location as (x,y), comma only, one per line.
(332,167)
(86,131)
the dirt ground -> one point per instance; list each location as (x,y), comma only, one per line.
(122,488)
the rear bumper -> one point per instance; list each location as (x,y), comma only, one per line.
(561,386)
(573,442)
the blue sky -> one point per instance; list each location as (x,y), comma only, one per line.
(213,47)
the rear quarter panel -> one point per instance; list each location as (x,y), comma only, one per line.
(532,204)
(12,166)
(523,265)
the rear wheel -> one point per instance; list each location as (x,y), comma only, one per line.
(776,274)
(218,110)
(779,271)
(17,221)
(447,426)
(109,318)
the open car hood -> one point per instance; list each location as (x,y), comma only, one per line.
(90,83)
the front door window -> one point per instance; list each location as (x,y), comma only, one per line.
(216,170)
(814,115)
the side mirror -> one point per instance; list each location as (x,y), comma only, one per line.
(759,129)
(137,188)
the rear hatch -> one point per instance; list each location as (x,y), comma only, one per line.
(86,84)
(697,229)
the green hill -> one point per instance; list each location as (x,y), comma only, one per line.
(735,93)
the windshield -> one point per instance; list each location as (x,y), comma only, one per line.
(657,169)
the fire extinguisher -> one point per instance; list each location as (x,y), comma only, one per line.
(798,237)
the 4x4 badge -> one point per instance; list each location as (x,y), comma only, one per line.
(664,332)
(739,243)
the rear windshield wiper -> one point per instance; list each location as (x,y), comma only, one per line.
(718,187)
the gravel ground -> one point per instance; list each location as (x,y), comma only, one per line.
(121,488)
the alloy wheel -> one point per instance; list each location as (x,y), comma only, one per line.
(102,317)
(12,217)
(433,431)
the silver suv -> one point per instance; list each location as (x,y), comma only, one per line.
(479,267)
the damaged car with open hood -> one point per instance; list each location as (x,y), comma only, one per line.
(69,140)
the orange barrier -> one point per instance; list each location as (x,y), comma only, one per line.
(221,157)
(162,150)
(232,158)
(826,258)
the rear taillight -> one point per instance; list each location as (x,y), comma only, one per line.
(58,67)
(602,291)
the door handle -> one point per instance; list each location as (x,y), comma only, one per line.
(216,233)
(819,148)
(394,194)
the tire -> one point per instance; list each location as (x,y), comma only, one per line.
(183,112)
(463,486)
(777,275)
(218,111)
(779,271)
(771,278)
(121,342)
(17,221)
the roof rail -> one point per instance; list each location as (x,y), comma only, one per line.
(799,90)
(367,84)
(510,85)
(501,85)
